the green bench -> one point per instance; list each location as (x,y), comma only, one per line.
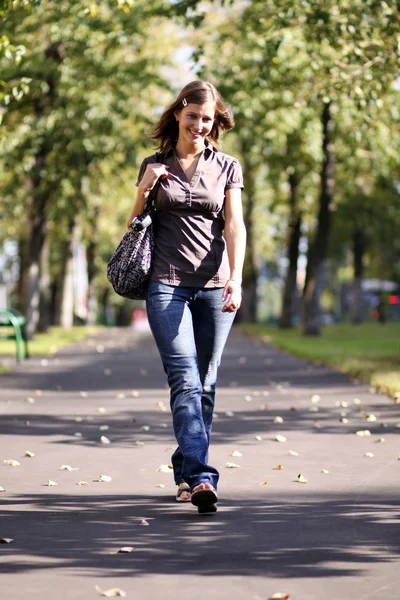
(13,319)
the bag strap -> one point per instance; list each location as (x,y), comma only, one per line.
(153,194)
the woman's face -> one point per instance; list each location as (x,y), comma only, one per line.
(195,122)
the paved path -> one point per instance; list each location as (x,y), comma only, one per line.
(335,537)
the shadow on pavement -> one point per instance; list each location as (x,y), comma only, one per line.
(321,537)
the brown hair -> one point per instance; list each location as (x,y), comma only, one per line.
(166,130)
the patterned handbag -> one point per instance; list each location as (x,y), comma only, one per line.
(129,268)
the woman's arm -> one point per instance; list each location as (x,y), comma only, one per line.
(152,173)
(235,237)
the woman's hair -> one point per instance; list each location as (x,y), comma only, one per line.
(166,130)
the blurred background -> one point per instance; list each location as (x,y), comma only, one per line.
(315,92)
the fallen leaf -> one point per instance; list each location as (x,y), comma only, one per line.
(2,489)
(44,362)
(164,469)
(78,434)
(242,360)
(229,413)
(344,420)
(363,432)
(104,440)
(38,392)
(248,398)
(101,410)
(279,596)
(104,478)
(6,540)
(134,393)
(313,408)
(324,471)
(82,483)
(371,418)
(83,394)
(380,440)
(120,396)
(293,453)
(126,549)
(278,420)
(100,349)
(266,393)
(256,393)
(236,453)
(231,465)
(107,371)
(369,455)
(30,400)
(344,404)
(145,428)
(264,407)
(51,483)
(112,593)
(12,463)
(29,454)
(258,438)
(264,482)
(68,468)
(165,425)
(104,427)
(160,485)
(139,443)
(315,399)
(279,467)
(162,406)
(78,419)
(301,479)
(280,438)
(357,401)
(144,523)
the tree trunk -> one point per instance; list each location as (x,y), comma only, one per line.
(290,288)
(39,196)
(248,309)
(356,308)
(318,249)
(65,289)
(44,288)
(92,269)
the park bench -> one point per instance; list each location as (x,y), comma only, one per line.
(15,321)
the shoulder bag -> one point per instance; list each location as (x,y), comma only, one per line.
(129,268)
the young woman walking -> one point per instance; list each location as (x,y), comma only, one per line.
(195,283)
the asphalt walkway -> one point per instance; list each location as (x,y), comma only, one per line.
(334,536)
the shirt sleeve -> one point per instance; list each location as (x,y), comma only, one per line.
(142,170)
(235,176)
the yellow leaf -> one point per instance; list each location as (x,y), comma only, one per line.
(324,471)
(264,482)
(280,438)
(68,468)
(126,549)
(258,438)
(12,463)
(231,465)
(369,455)
(144,523)
(82,483)
(236,453)
(104,440)
(363,432)
(29,454)
(6,540)
(278,420)
(301,479)
(164,469)
(112,593)
(293,453)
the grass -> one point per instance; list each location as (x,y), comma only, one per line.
(48,343)
(369,352)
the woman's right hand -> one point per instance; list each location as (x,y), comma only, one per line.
(152,173)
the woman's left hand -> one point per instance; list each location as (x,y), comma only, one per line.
(232,292)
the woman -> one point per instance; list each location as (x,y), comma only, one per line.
(195,284)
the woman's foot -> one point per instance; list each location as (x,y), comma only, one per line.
(204,496)
(183,494)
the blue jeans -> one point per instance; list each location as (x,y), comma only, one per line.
(190,332)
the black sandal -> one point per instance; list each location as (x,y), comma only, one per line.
(206,500)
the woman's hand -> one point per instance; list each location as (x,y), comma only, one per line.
(152,173)
(232,292)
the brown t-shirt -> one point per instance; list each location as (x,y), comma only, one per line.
(189,245)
